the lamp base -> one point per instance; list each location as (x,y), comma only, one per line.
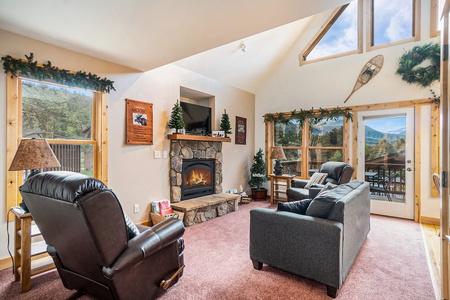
(278,169)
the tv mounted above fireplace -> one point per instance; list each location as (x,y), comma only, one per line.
(197,118)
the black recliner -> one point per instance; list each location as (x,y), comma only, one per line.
(338,173)
(86,233)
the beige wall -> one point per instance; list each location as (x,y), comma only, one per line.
(134,175)
(328,83)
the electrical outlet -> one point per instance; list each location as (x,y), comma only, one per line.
(136,208)
(164,154)
(157,154)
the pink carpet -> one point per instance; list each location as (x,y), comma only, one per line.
(392,265)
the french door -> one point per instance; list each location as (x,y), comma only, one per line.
(386,160)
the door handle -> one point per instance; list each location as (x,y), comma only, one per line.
(408,169)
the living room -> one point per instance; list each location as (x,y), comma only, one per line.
(132,171)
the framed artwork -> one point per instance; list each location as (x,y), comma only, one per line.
(139,122)
(241,131)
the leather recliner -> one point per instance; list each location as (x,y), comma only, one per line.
(85,230)
(338,173)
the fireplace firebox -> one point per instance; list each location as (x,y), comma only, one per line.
(197,178)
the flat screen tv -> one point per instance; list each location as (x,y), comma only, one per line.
(197,119)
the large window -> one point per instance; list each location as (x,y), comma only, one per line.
(73,121)
(307,147)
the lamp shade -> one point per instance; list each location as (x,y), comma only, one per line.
(277,153)
(34,154)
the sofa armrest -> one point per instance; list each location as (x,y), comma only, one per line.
(147,243)
(303,245)
(314,190)
(298,183)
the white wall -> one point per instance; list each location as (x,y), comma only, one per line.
(134,175)
(328,83)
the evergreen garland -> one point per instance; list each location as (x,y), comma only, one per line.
(258,170)
(225,124)
(176,117)
(314,116)
(422,76)
(30,68)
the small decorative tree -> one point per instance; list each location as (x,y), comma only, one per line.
(176,117)
(258,171)
(225,124)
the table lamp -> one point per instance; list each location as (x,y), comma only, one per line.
(278,154)
(33,154)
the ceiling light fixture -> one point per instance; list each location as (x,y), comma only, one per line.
(242,46)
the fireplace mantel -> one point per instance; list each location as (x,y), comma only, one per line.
(196,138)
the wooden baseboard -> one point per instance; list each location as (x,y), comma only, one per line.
(5,263)
(430,220)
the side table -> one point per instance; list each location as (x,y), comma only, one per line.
(25,250)
(278,185)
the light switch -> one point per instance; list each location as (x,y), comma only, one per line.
(157,154)
(164,154)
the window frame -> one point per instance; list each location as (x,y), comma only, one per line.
(434,18)
(370,27)
(99,136)
(305,147)
(302,58)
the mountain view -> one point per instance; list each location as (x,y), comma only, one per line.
(373,136)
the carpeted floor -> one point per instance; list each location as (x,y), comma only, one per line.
(392,265)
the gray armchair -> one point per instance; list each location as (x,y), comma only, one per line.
(338,173)
(89,239)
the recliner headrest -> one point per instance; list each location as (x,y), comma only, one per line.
(66,186)
(333,168)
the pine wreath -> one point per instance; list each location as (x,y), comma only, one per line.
(422,76)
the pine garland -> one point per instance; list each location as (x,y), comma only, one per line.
(422,76)
(30,68)
(314,116)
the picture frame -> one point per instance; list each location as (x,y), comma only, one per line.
(139,122)
(218,133)
(241,131)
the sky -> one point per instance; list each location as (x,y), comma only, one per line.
(393,21)
(386,124)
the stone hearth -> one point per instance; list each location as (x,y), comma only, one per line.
(204,208)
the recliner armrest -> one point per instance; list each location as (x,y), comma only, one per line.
(314,190)
(147,243)
(298,183)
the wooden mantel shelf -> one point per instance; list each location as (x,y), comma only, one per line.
(197,138)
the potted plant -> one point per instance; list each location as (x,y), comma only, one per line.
(258,177)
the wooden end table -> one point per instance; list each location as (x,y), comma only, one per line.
(279,185)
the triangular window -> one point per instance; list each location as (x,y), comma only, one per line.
(339,36)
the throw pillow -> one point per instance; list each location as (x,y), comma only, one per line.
(132,230)
(316,178)
(328,187)
(298,207)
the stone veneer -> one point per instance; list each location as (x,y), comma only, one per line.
(184,149)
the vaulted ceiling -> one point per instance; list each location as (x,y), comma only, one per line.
(146,34)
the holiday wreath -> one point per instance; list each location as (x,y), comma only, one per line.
(424,76)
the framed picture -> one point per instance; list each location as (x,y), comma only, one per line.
(139,122)
(241,131)
(219,134)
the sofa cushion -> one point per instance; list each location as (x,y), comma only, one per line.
(326,188)
(297,193)
(322,205)
(316,178)
(298,207)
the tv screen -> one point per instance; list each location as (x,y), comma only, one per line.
(197,118)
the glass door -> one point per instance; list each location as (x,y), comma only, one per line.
(386,150)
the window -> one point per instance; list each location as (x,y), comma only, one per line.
(393,22)
(309,146)
(72,120)
(339,36)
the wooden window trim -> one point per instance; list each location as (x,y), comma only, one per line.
(370,29)
(99,137)
(324,29)
(434,30)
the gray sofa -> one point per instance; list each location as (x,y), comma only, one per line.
(320,248)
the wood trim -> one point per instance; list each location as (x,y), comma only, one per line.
(355,144)
(430,220)
(12,141)
(434,31)
(435,146)
(5,263)
(102,137)
(417,164)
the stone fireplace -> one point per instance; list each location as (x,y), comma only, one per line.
(188,151)
(197,178)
